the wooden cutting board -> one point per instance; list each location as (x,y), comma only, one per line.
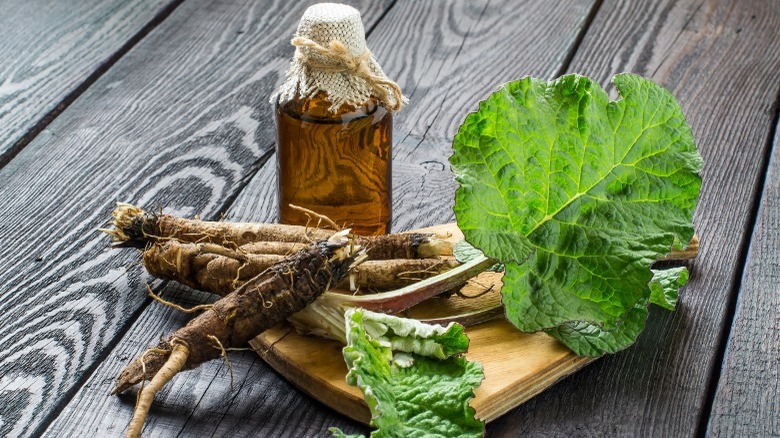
(517,365)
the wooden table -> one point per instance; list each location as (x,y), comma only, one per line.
(165,103)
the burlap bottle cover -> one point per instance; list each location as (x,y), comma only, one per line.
(331,56)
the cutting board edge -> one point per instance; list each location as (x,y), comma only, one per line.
(350,404)
(501,403)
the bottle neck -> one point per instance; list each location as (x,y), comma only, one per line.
(317,109)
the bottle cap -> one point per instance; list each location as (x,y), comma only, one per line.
(331,56)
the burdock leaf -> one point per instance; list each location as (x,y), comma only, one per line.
(338,433)
(593,340)
(578,195)
(414,382)
(465,252)
(665,286)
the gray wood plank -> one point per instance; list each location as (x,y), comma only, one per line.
(50,51)
(721,61)
(182,120)
(747,400)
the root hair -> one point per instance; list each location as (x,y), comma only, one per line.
(198,308)
(320,217)
(223,353)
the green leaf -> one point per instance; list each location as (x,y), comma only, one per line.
(465,252)
(665,286)
(414,383)
(578,196)
(338,433)
(592,340)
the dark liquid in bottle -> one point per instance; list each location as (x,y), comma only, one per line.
(338,165)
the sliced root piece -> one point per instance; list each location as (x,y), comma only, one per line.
(468,319)
(325,317)
(175,362)
(482,290)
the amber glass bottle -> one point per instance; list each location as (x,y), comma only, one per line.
(335,163)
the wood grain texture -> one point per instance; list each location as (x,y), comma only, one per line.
(717,57)
(721,62)
(446,56)
(49,50)
(182,121)
(747,401)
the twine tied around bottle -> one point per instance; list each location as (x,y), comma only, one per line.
(340,60)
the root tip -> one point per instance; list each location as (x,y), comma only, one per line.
(121,386)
